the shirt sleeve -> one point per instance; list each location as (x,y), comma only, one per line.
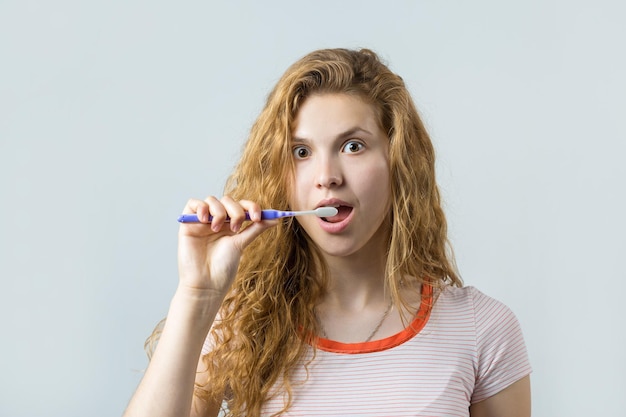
(502,358)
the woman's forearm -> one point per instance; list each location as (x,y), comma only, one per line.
(166,389)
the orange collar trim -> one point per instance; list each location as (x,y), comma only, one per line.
(421,318)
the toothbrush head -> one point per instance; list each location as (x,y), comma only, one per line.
(326,211)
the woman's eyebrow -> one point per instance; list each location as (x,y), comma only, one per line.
(352,132)
(343,135)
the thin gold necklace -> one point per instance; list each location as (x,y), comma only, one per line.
(380,323)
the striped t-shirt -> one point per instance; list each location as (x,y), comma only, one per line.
(469,348)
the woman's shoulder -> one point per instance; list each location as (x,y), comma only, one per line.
(501,356)
(471,298)
(456,295)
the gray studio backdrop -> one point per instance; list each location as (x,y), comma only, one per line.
(114,113)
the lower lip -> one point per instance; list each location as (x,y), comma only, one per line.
(335,227)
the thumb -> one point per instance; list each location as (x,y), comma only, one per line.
(247,235)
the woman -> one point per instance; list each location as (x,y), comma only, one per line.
(361,313)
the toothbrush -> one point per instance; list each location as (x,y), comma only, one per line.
(269,214)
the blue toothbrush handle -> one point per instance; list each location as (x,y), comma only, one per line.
(265,215)
(274,214)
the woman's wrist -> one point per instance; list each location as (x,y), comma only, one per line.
(199,307)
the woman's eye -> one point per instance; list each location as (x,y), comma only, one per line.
(353,147)
(300,152)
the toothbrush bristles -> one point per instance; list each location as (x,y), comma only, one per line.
(326,211)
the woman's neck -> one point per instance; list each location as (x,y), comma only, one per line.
(355,281)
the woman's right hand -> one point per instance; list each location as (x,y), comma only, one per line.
(209,252)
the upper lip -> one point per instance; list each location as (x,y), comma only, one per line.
(332,202)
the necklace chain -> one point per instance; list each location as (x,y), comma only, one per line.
(380,323)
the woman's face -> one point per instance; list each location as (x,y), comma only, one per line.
(341,159)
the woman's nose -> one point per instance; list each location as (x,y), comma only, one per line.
(328,174)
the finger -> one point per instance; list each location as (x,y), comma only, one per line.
(235,212)
(253,209)
(198,207)
(217,211)
(251,232)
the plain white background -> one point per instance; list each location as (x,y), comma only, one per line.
(113,114)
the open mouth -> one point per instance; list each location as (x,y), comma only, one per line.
(342,213)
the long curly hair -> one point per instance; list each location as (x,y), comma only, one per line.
(267,321)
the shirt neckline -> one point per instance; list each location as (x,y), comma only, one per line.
(418,323)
